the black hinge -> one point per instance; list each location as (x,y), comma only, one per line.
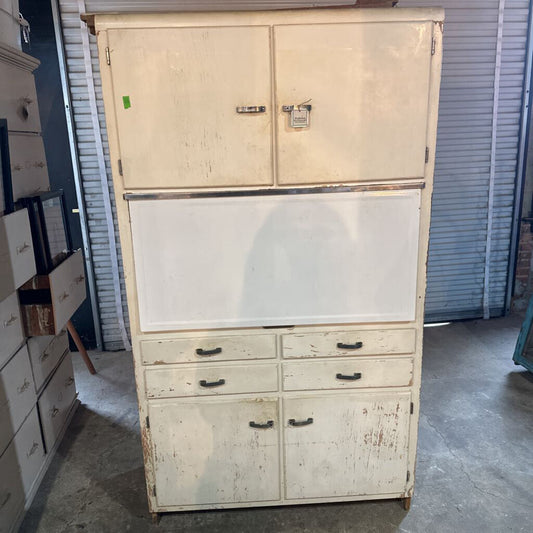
(154,493)
(147,422)
(120,167)
(408,476)
(433,45)
(412,407)
(107,56)
(427,154)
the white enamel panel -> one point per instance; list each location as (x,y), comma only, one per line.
(303,259)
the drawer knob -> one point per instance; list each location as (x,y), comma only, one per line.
(10,322)
(206,353)
(207,384)
(354,377)
(299,423)
(24,248)
(356,346)
(268,424)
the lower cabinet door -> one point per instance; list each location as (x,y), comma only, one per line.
(346,445)
(213,452)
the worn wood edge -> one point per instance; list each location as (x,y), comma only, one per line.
(44,467)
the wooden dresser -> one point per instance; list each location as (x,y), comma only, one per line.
(273,177)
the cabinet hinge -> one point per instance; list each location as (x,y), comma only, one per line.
(107,56)
(153,491)
(412,407)
(433,46)
(120,167)
(408,475)
(427,154)
(147,422)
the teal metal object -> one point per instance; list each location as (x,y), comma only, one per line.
(523,352)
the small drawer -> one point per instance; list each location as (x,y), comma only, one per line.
(45,353)
(17,395)
(210,380)
(28,165)
(48,301)
(208,349)
(17,262)
(348,374)
(18,98)
(348,343)
(11,333)
(30,450)
(56,401)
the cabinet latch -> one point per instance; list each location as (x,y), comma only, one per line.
(147,422)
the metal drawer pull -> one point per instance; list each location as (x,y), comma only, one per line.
(79,279)
(251,109)
(206,353)
(63,297)
(6,499)
(33,449)
(298,423)
(54,412)
(355,346)
(24,386)
(356,375)
(207,384)
(255,425)
(11,321)
(69,381)
(44,355)
(24,248)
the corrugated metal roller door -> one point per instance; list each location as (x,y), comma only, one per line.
(456,268)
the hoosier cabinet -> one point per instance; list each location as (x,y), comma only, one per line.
(273,175)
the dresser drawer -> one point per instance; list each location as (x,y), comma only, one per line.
(348,374)
(349,343)
(11,333)
(48,301)
(17,395)
(12,495)
(45,353)
(18,98)
(28,164)
(17,263)
(56,401)
(208,349)
(211,380)
(29,448)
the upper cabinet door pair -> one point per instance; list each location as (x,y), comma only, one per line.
(204,107)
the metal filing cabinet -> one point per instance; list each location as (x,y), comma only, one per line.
(273,174)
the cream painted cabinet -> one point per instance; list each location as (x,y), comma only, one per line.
(273,174)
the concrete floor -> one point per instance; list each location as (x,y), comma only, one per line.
(474,472)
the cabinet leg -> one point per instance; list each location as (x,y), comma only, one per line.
(156,517)
(406,503)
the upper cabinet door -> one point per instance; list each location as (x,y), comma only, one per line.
(368,87)
(176,94)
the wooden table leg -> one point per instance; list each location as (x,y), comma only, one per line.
(81,348)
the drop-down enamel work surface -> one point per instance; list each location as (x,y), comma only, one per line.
(273,174)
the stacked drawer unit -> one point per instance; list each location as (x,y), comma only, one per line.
(37,389)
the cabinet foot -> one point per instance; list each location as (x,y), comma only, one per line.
(156,517)
(406,503)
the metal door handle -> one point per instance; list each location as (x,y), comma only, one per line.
(206,353)
(356,375)
(11,321)
(269,424)
(299,423)
(250,109)
(355,346)
(207,384)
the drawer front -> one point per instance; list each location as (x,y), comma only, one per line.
(208,349)
(45,353)
(17,395)
(56,401)
(30,450)
(28,164)
(10,328)
(348,374)
(17,263)
(347,343)
(12,495)
(18,98)
(67,286)
(206,381)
